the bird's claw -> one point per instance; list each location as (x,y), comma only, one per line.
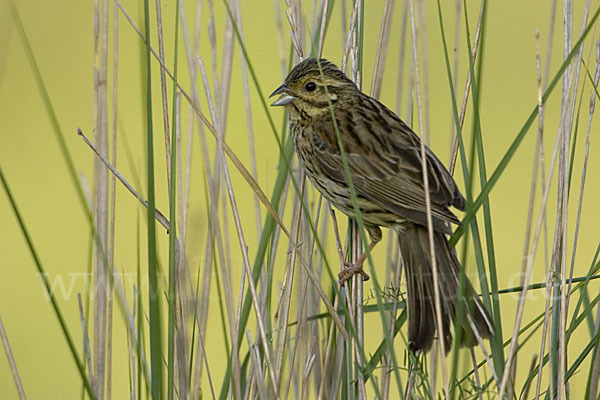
(351,270)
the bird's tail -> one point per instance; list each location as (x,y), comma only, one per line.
(414,246)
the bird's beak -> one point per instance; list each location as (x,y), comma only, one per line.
(284,99)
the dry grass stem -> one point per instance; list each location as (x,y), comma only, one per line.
(292,17)
(324,11)
(101,196)
(11,362)
(436,291)
(86,342)
(528,267)
(463,109)
(163,91)
(382,44)
(158,215)
(113,196)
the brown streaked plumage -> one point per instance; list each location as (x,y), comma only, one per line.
(384,158)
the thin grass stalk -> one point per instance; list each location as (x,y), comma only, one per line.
(455,69)
(401,55)
(139,311)
(436,292)
(350,36)
(157,214)
(306,373)
(223,90)
(132,359)
(87,352)
(382,45)
(355,295)
(549,45)
(11,362)
(591,391)
(113,184)
(89,269)
(425,68)
(171,171)
(181,298)
(463,110)
(101,196)
(387,364)
(539,153)
(163,89)
(292,17)
(531,369)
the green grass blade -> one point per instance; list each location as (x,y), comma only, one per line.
(44,277)
(496,342)
(153,291)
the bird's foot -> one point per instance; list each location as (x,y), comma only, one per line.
(351,270)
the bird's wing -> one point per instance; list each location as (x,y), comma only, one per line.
(384,158)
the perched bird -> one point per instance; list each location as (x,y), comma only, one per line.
(384,160)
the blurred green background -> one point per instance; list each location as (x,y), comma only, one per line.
(61,34)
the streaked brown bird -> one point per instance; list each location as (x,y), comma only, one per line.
(384,159)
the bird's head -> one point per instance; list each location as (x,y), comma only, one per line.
(311,86)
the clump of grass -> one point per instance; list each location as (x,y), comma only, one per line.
(265,284)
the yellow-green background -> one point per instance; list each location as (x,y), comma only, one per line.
(61,34)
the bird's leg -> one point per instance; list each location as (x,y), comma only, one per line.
(357,267)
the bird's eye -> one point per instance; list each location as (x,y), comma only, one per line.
(310,86)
